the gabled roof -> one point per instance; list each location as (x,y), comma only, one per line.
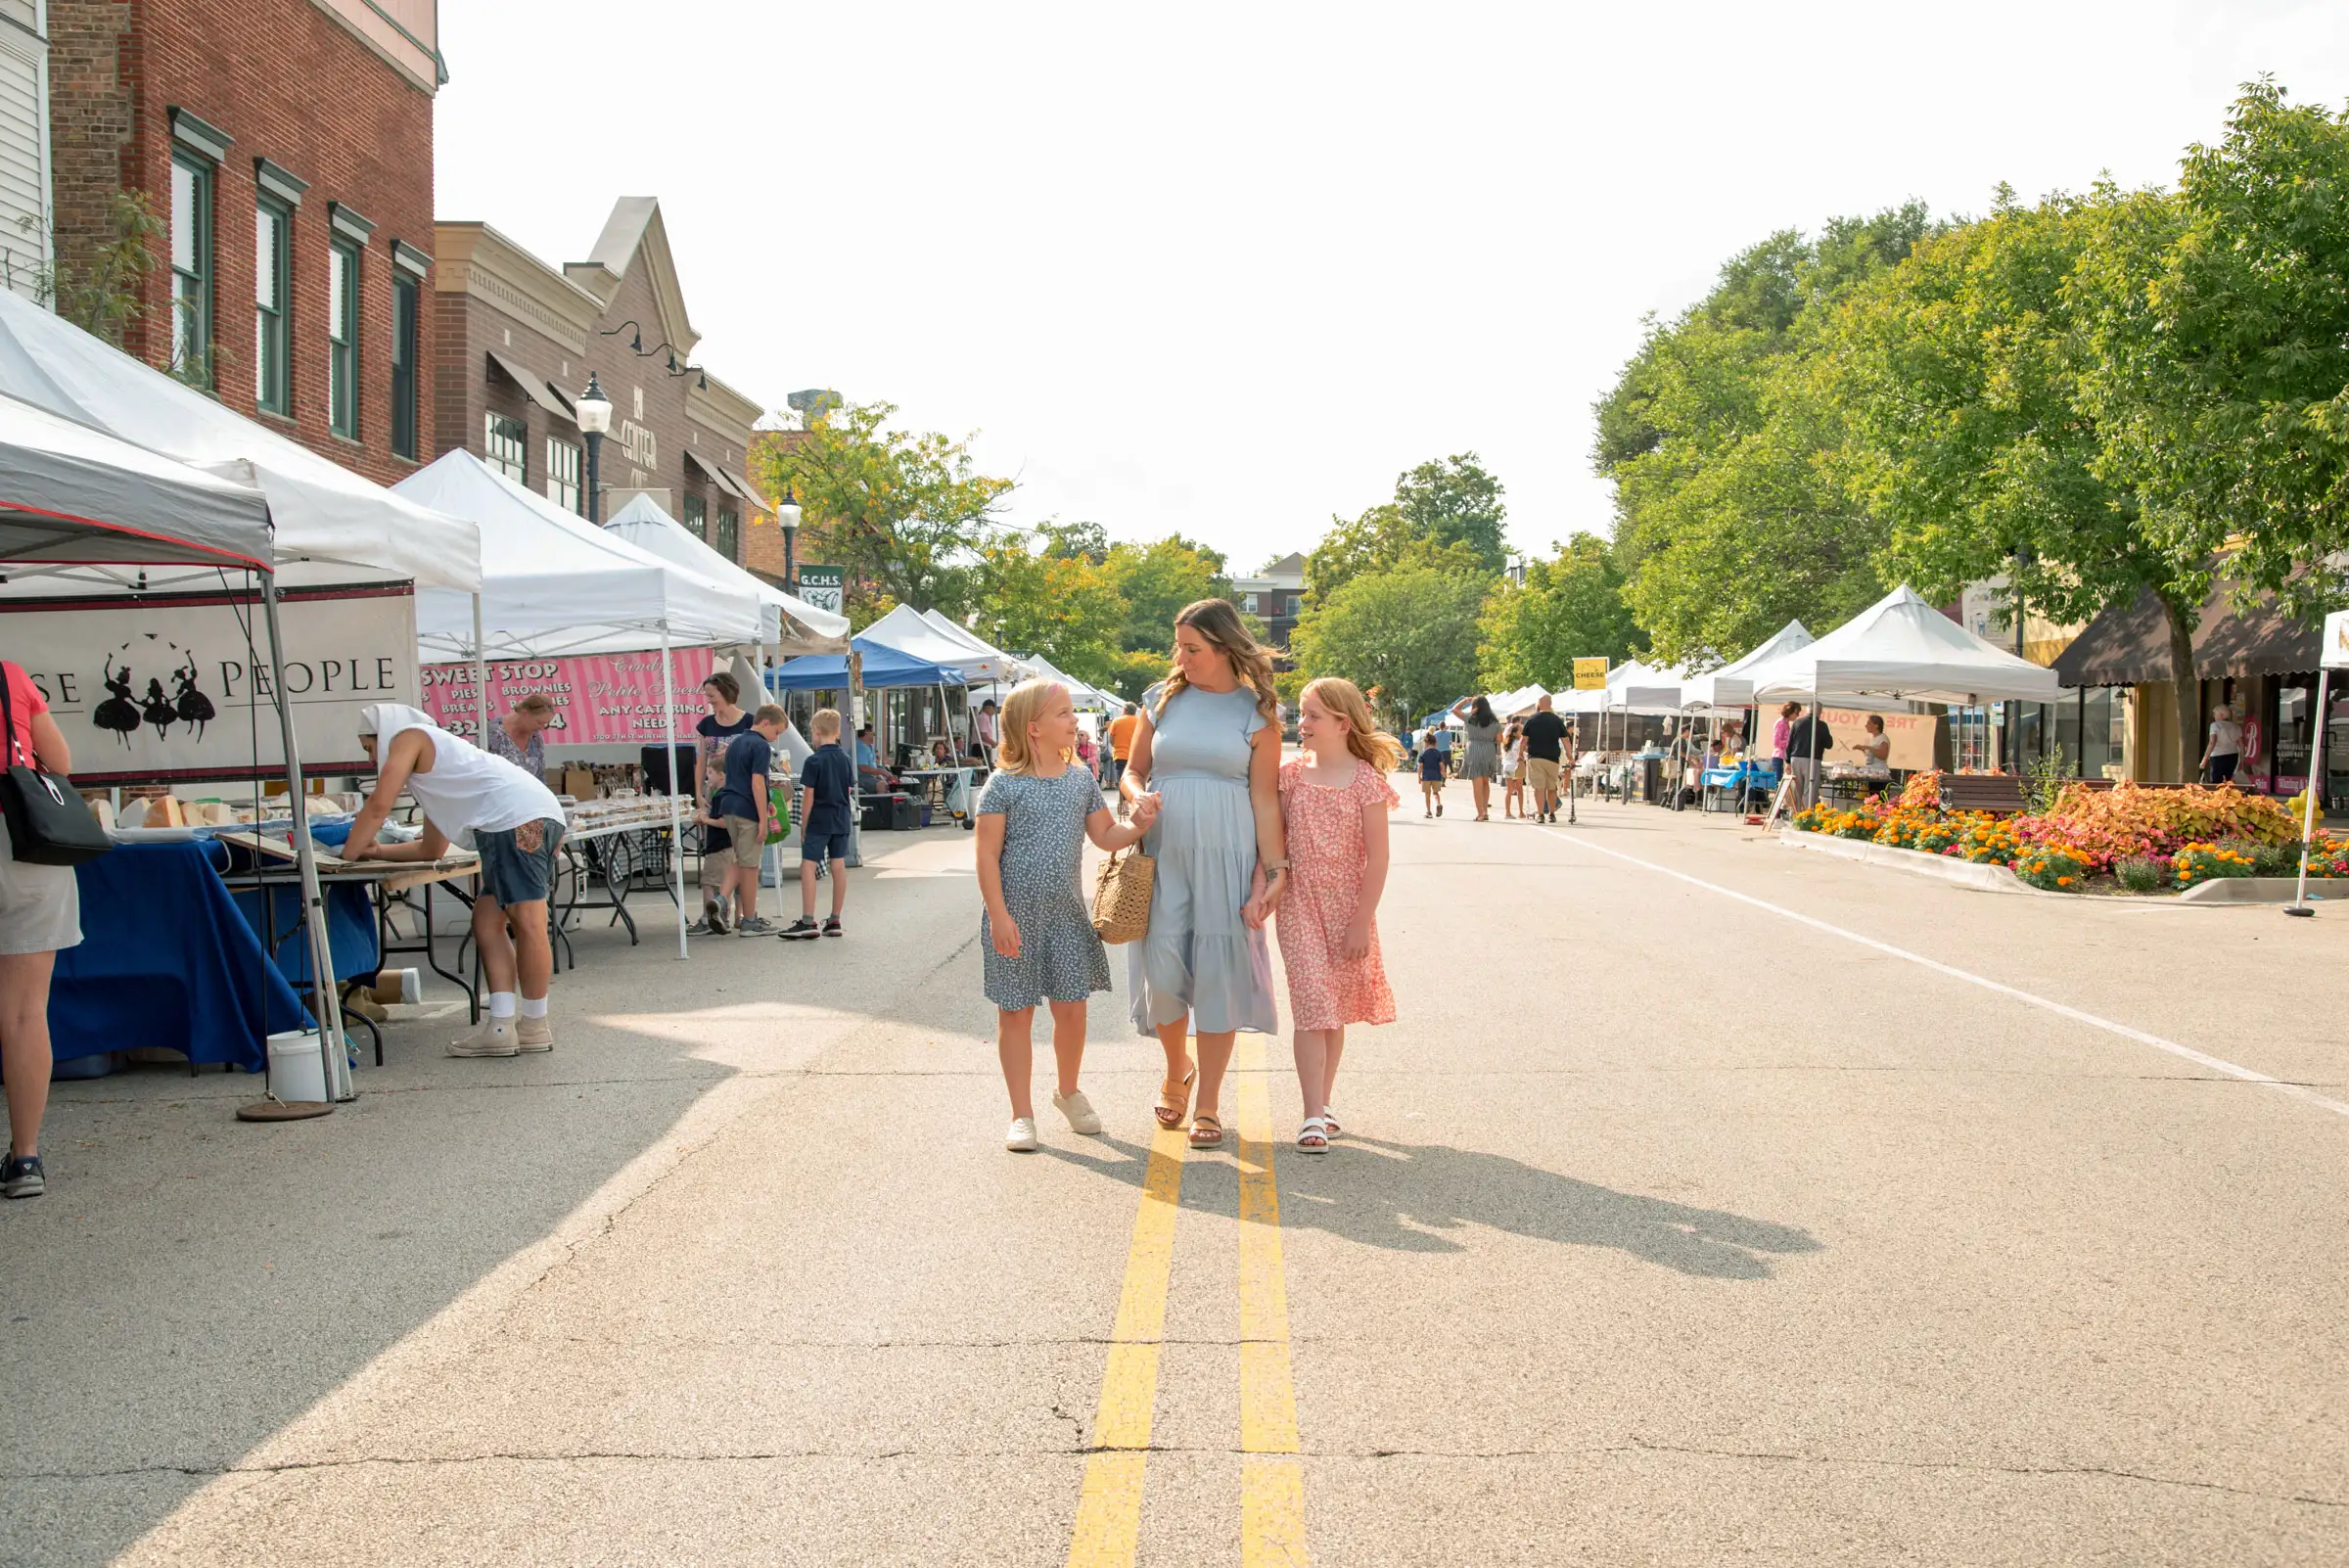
(634,236)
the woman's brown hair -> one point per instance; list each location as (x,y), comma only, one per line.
(538,704)
(724,684)
(1220,624)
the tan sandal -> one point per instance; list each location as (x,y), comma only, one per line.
(1207,1131)
(1174,1099)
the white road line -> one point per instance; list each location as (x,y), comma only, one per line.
(2062,1010)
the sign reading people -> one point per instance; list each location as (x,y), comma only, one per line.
(175,688)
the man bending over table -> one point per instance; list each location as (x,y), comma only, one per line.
(512,820)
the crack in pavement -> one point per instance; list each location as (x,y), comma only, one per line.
(1081,1451)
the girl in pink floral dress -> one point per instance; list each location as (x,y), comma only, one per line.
(1335,800)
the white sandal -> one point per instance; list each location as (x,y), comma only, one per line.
(1314,1138)
(1021,1138)
(1329,1120)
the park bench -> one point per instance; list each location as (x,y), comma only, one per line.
(1994,794)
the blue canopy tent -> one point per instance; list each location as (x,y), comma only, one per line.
(884,666)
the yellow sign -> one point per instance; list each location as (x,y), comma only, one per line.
(1590,675)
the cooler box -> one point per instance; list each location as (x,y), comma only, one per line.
(887,813)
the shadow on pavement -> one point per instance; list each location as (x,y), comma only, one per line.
(1406,1196)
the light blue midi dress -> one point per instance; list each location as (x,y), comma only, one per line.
(1200,957)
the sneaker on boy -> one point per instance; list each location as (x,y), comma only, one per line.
(827,786)
(755,926)
(802,929)
(21,1177)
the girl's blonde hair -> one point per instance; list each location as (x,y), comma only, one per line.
(1023,708)
(1220,624)
(1364,737)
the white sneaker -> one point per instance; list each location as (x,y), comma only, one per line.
(1021,1139)
(497,1037)
(1082,1118)
(534,1033)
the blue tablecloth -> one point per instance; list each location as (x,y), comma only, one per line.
(349,918)
(166,960)
(1728,778)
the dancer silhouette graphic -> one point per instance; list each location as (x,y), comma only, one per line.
(118,712)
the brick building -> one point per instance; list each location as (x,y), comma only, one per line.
(514,341)
(287,145)
(762,546)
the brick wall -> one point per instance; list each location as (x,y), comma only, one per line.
(291,85)
(763,541)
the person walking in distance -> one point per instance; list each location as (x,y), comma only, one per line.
(827,781)
(1034,930)
(512,820)
(1433,769)
(1121,749)
(1512,772)
(1334,801)
(1545,748)
(1208,757)
(1483,765)
(2224,748)
(40,915)
(1807,739)
(745,809)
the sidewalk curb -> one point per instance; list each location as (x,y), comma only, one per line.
(2271,891)
(1964,873)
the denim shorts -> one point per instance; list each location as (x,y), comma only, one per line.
(817,847)
(512,874)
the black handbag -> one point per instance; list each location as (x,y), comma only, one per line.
(48,821)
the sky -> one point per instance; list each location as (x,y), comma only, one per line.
(1228,269)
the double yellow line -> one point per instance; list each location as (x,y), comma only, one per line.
(1109,1511)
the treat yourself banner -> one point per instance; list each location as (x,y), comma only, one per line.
(175,687)
(1911,735)
(600,700)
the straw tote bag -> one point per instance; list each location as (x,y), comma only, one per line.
(1121,896)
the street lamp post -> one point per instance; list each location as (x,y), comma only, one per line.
(787,513)
(595,418)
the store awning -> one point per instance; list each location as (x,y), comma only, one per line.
(2129,645)
(721,478)
(537,389)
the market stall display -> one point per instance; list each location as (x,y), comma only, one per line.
(789,625)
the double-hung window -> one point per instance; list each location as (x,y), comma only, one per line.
(697,517)
(728,542)
(404,304)
(505,444)
(192,268)
(563,474)
(343,338)
(272,287)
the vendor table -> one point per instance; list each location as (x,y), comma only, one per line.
(1736,785)
(949,787)
(612,853)
(167,960)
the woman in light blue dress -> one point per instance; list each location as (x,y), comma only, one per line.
(1209,750)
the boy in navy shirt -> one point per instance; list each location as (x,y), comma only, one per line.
(1432,769)
(741,808)
(826,782)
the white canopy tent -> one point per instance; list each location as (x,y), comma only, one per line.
(1516,704)
(1083,694)
(789,625)
(1901,646)
(1732,686)
(1002,667)
(555,585)
(905,629)
(331,526)
(74,497)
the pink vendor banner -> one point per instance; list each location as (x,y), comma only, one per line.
(600,700)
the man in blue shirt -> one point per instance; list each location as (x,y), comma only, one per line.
(741,808)
(827,782)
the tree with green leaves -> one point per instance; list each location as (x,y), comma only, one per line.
(1060,606)
(1155,581)
(910,516)
(1734,514)
(1567,609)
(1412,633)
(1447,514)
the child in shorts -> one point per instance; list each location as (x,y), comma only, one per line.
(827,783)
(741,808)
(1432,772)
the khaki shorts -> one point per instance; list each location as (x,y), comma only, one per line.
(1542,774)
(748,846)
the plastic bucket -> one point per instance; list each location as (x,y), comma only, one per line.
(296,1066)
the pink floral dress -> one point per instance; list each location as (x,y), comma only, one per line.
(1327,990)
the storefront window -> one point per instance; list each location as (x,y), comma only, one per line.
(502,446)
(728,542)
(697,517)
(563,474)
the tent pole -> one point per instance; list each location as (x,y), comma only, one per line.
(480,681)
(852,720)
(337,1056)
(2308,813)
(668,741)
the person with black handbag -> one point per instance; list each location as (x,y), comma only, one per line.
(40,913)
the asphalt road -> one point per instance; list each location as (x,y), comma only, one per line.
(1712,1202)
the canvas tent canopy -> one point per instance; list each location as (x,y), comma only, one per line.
(331,526)
(786,622)
(1635,687)
(1732,686)
(73,495)
(555,585)
(1902,647)
(883,667)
